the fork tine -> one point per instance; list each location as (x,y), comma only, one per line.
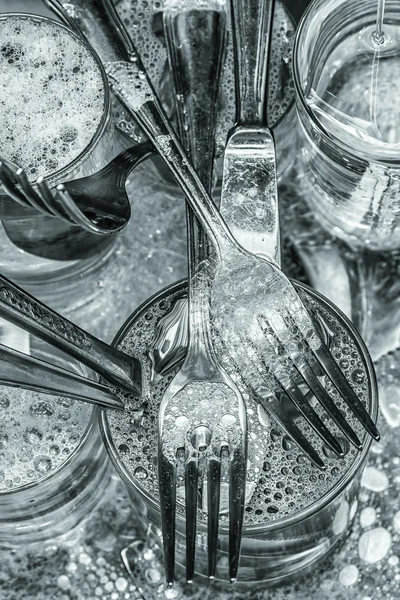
(167,485)
(345,390)
(7,179)
(237,493)
(29,191)
(74,213)
(326,401)
(299,400)
(191,492)
(49,200)
(273,406)
(306,370)
(213,487)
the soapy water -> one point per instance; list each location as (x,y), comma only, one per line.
(140,18)
(280,479)
(38,433)
(354,95)
(52,95)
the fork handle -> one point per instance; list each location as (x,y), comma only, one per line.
(131,85)
(25,311)
(251,30)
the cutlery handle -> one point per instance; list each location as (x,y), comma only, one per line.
(25,311)
(196,41)
(251,30)
(131,85)
(28,372)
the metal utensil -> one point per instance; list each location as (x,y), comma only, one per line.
(255,305)
(98,203)
(25,311)
(201,392)
(31,373)
(249,191)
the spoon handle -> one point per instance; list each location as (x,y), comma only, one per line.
(196,41)
(30,373)
(25,311)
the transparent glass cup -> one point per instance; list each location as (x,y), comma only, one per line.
(346,100)
(63,499)
(276,551)
(35,248)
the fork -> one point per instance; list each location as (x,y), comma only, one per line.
(245,286)
(202,418)
(249,199)
(97,203)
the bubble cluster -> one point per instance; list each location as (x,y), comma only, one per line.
(35,435)
(51,95)
(280,479)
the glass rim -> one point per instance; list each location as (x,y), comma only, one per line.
(299,95)
(52,178)
(299,516)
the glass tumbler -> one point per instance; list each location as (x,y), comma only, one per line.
(57,499)
(37,249)
(347,87)
(287,544)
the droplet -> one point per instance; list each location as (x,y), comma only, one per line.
(65,402)
(374,480)
(42,408)
(374,545)
(4,402)
(287,443)
(33,435)
(42,464)
(63,582)
(358,376)
(3,439)
(153,575)
(348,575)
(121,584)
(275,435)
(367,516)
(140,473)
(123,449)
(54,450)
(396,521)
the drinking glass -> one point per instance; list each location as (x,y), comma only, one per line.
(346,82)
(58,502)
(282,548)
(37,249)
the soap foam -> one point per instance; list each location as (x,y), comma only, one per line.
(51,95)
(38,433)
(280,479)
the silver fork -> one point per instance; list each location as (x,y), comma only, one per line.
(244,286)
(249,202)
(202,419)
(97,203)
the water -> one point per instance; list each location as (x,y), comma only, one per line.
(354,94)
(38,433)
(280,480)
(49,122)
